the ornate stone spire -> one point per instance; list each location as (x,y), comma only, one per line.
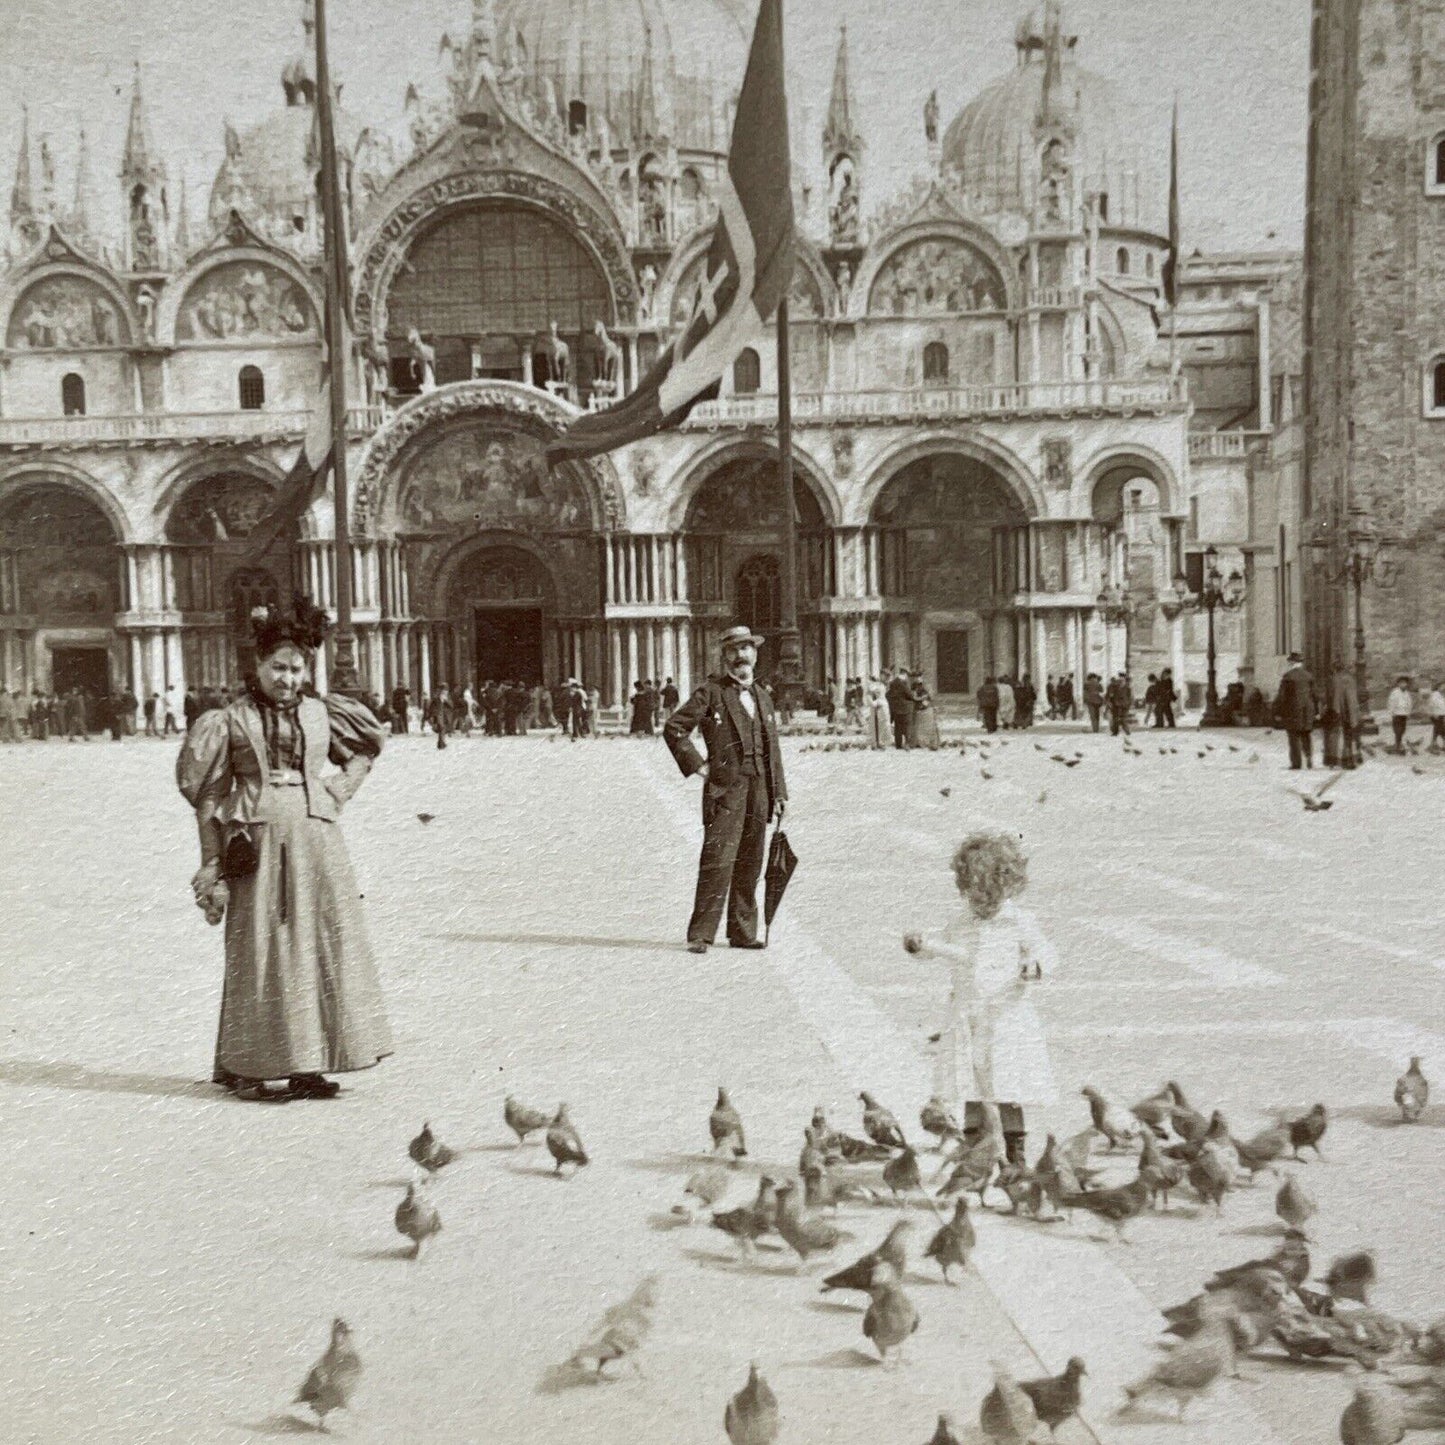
(83,206)
(1052,103)
(143,187)
(45,202)
(649,122)
(183,225)
(840,132)
(24,225)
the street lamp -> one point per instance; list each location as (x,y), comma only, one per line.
(1365,559)
(1217,592)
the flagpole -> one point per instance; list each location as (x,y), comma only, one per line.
(343,672)
(790,642)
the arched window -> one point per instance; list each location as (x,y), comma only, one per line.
(253,388)
(72,394)
(1435,387)
(1149,264)
(935,364)
(1435,167)
(747,373)
(1104,206)
(760,594)
(1121,261)
(577,117)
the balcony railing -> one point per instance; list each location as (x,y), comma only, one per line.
(1213,446)
(172,426)
(926,403)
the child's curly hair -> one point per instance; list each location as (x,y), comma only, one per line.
(989,867)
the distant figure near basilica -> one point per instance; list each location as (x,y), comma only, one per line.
(301,997)
(743,790)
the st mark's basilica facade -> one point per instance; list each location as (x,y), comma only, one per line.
(990,432)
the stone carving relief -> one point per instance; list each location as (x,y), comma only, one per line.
(64,313)
(937,277)
(843,454)
(1058,463)
(242,301)
(483,475)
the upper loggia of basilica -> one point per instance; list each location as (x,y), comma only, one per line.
(994,428)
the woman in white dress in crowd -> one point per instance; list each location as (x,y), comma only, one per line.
(991,1046)
(878,729)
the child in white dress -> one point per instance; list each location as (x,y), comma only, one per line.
(992,1045)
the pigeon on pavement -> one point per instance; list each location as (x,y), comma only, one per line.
(751,1417)
(726,1126)
(1352,1276)
(891,1317)
(623,1329)
(1155,1111)
(1117,1126)
(859,1274)
(1412,1092)
(1375,1416)
(954,1242)
(750,1222)
(1007,1415)
(901,1173)
(427,1151)
(334,1377)
(564,1143)
(1291,1261)
(522,1120)
(1160,1174)
(1264,1150)
(803,1235)
(417,1218)
(1115,1206)
(1194,1366)
(1057,1397)
(935,1119)
(1211,1175)
(1307,1131)
(1294,1204)
(879,1125)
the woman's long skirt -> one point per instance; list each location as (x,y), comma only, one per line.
(879,730)
(301,993)
(923,730)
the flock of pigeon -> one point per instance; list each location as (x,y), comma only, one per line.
(1272,1305)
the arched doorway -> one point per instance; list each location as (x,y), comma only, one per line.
(216,582)
(483,284)
(946,528)
(61,586)
(501,598)
(733,534)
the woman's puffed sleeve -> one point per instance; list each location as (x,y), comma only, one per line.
(355,732)
(203,769)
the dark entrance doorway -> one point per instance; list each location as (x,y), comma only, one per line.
(87,668)
(952,661)
(508,644)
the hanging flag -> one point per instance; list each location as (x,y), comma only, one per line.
(303,482)
(745,274)
(1171,261)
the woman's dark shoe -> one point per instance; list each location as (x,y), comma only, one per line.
(228,1081)
(313,1086)
(258,1091)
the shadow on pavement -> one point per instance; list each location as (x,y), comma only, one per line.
(34,1073)
(561,940)
(283,1425)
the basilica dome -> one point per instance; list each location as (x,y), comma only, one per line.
(993,145)
(647,67)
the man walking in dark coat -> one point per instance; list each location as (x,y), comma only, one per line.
(1094,698)
(1294,706)
(900,708)
(988,705)
(743,790)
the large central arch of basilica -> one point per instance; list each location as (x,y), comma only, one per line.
(988,434)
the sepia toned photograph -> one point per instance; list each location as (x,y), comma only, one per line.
(722,721)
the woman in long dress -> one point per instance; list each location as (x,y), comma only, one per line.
(992,1045)
(301,998)
(923,729)
(879,729)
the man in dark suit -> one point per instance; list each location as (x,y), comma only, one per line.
(900,708)
(1294,707)
(743,790)
(988,705)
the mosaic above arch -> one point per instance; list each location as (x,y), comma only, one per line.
(245,301)
(65,313)
(937,276)
(220,509)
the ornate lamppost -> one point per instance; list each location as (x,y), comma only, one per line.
(1365,559)
(1218,592)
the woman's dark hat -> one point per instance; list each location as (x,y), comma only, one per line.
(304,626)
